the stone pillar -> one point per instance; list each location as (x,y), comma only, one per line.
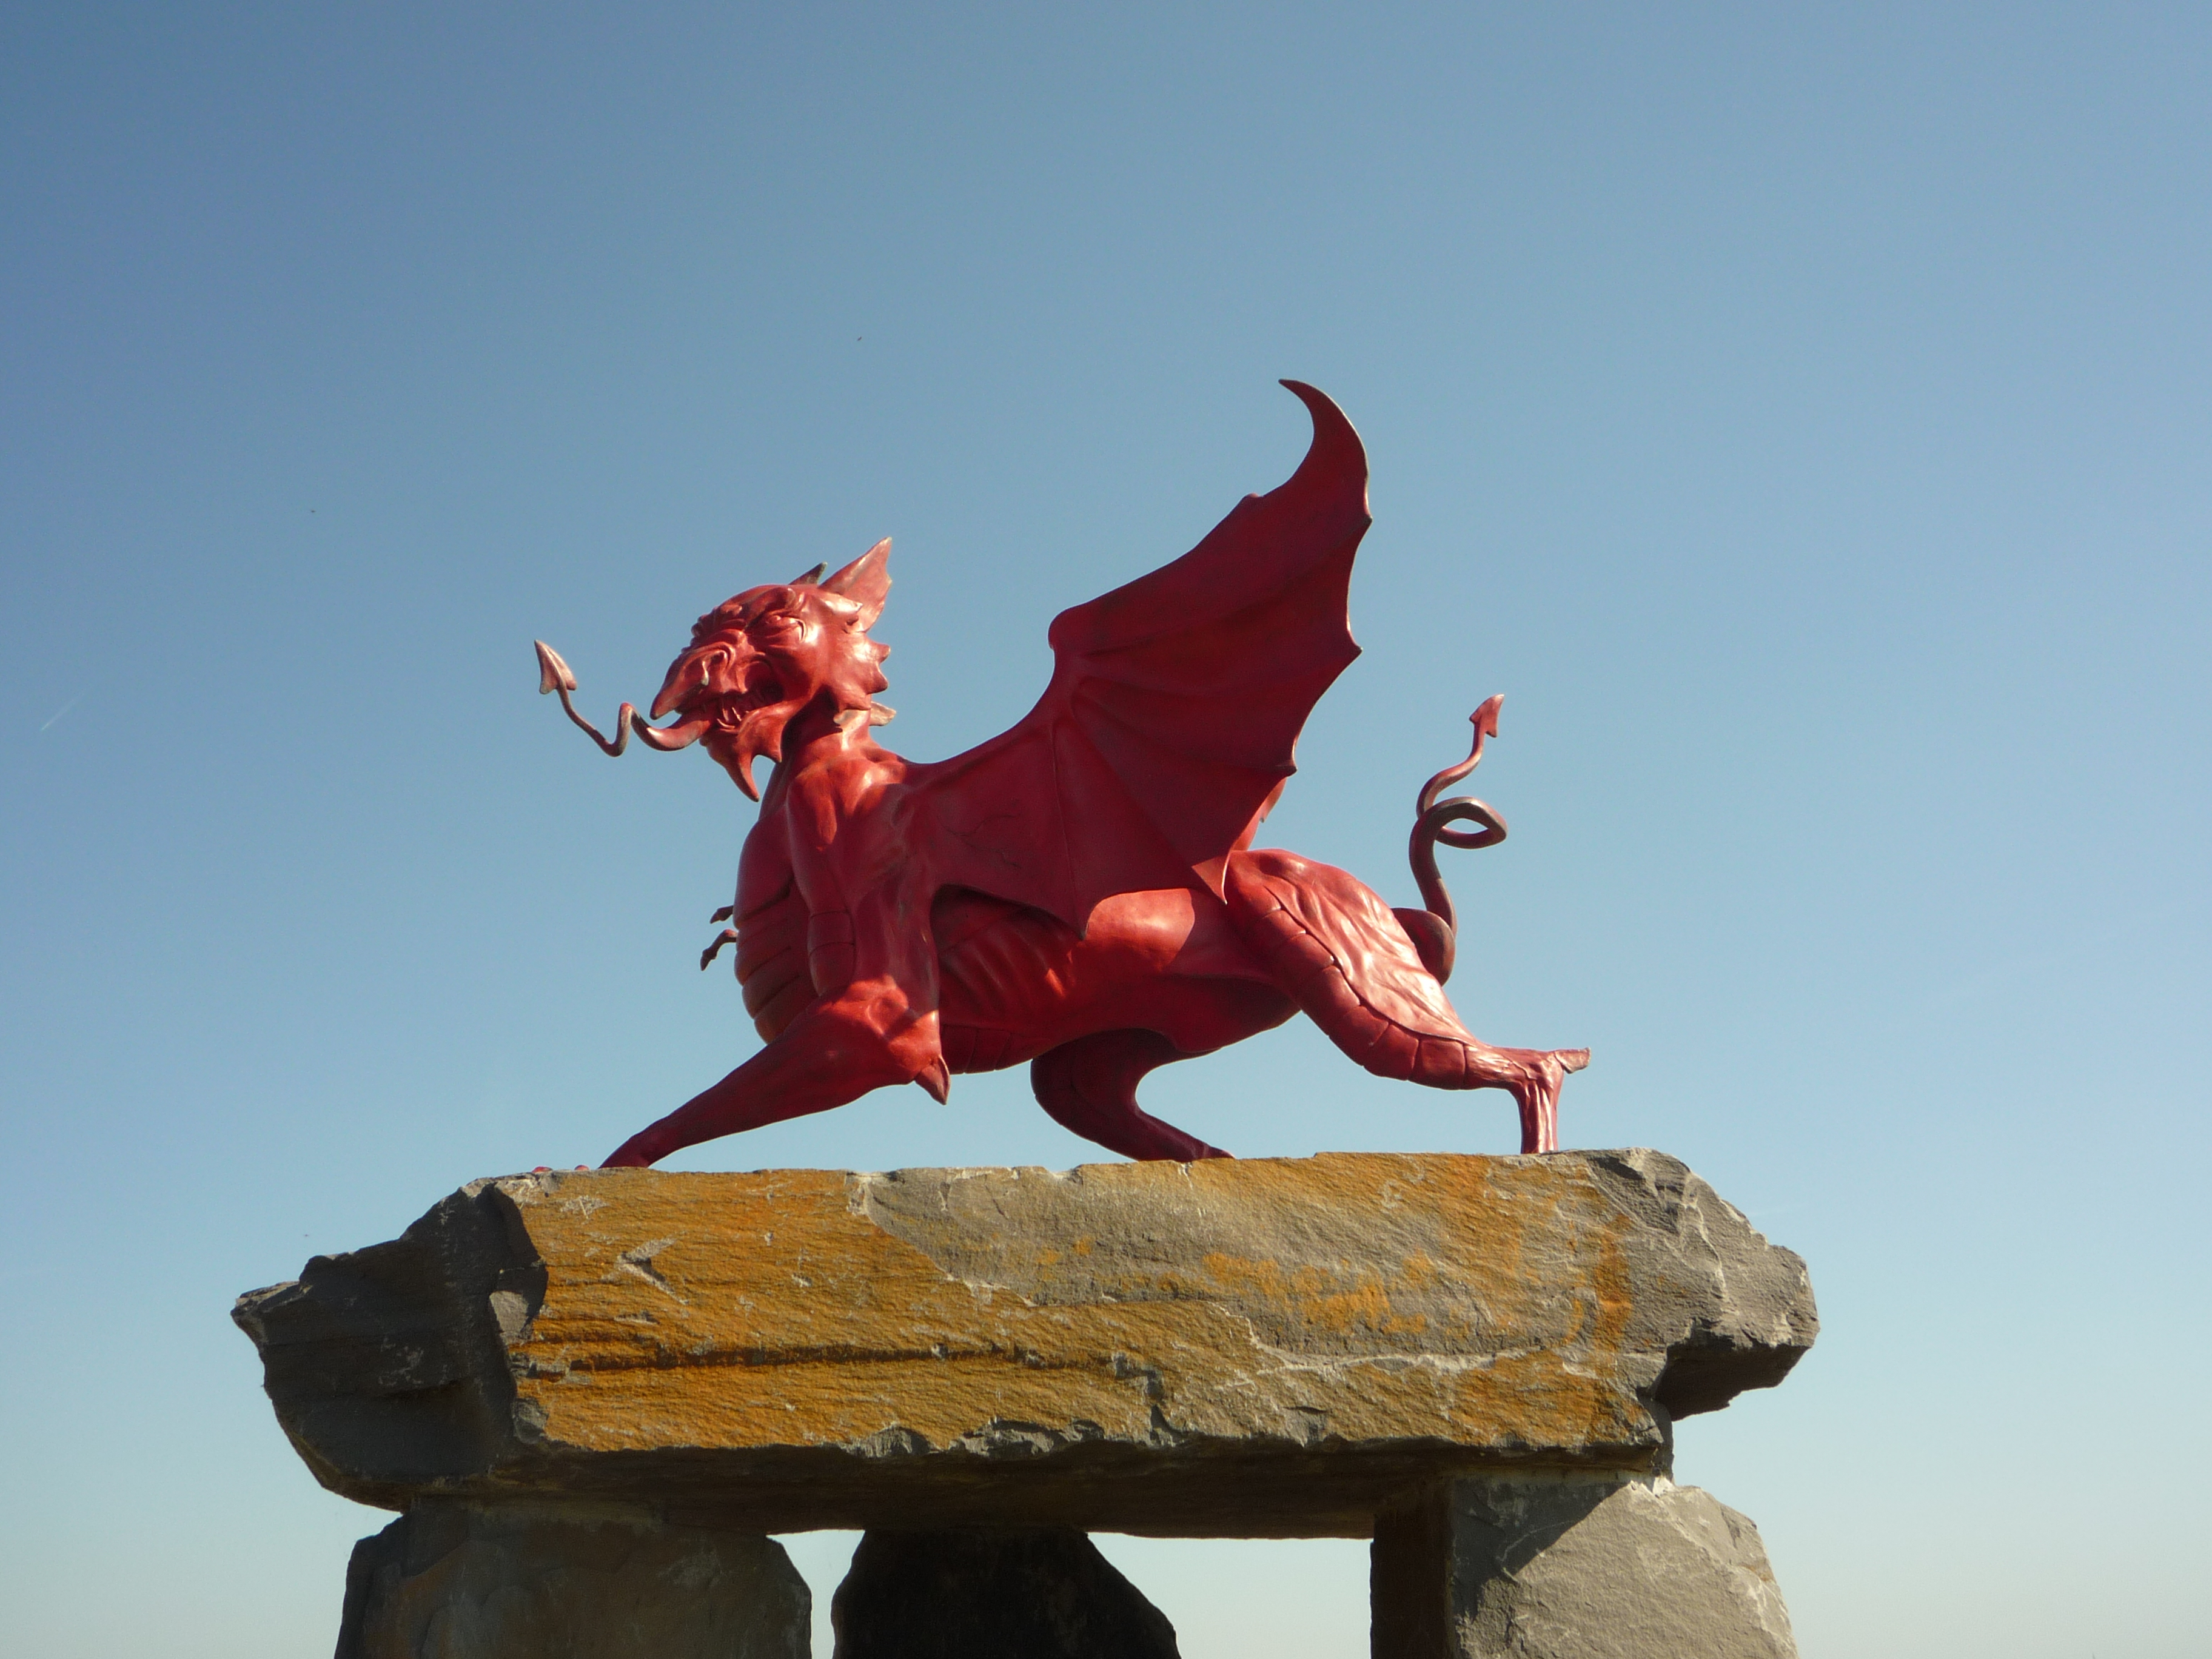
(990,1593)
(451,1581)
(1572,1567)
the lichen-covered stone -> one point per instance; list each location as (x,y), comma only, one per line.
(1258,1347)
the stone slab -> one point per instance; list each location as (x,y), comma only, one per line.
(1261,1347)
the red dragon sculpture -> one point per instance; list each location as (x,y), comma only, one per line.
(1081,892)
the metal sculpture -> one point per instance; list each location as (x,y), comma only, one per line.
(1081,891)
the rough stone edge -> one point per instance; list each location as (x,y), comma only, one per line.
(1764,1319)
(426,1320)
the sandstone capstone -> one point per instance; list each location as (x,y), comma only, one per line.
(1259,1348)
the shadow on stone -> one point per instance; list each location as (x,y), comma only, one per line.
(978,1593)
(525,1583)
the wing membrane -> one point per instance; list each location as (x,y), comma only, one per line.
(1175,702)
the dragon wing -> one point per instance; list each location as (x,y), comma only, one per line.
(1172,718)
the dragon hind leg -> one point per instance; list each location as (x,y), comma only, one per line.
(1089,1085)
(1335,948)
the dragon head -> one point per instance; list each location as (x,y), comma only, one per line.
(758,661)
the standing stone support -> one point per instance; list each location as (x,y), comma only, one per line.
(1572,1567)
(985,1593)
(450,1581)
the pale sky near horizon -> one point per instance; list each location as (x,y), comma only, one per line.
(1801,414)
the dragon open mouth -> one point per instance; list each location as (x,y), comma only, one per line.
(741,724)
(714,691)
(760,688)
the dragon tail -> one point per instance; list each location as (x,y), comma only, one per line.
(1434,931)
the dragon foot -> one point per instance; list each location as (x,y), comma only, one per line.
(1537,1092)
(728,936)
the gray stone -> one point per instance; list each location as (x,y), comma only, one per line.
(1573,1567)
(980,1593)
(456,1582)
(1253,1348)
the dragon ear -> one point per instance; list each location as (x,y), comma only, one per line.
(866,581)
(805,576)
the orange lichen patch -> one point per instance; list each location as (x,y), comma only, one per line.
(1313,1295)
(1360,1298)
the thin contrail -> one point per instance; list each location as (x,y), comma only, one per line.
(64,709)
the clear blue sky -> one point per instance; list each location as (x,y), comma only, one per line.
(1801,413)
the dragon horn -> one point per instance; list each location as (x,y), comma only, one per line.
(866,582)
(813,576)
